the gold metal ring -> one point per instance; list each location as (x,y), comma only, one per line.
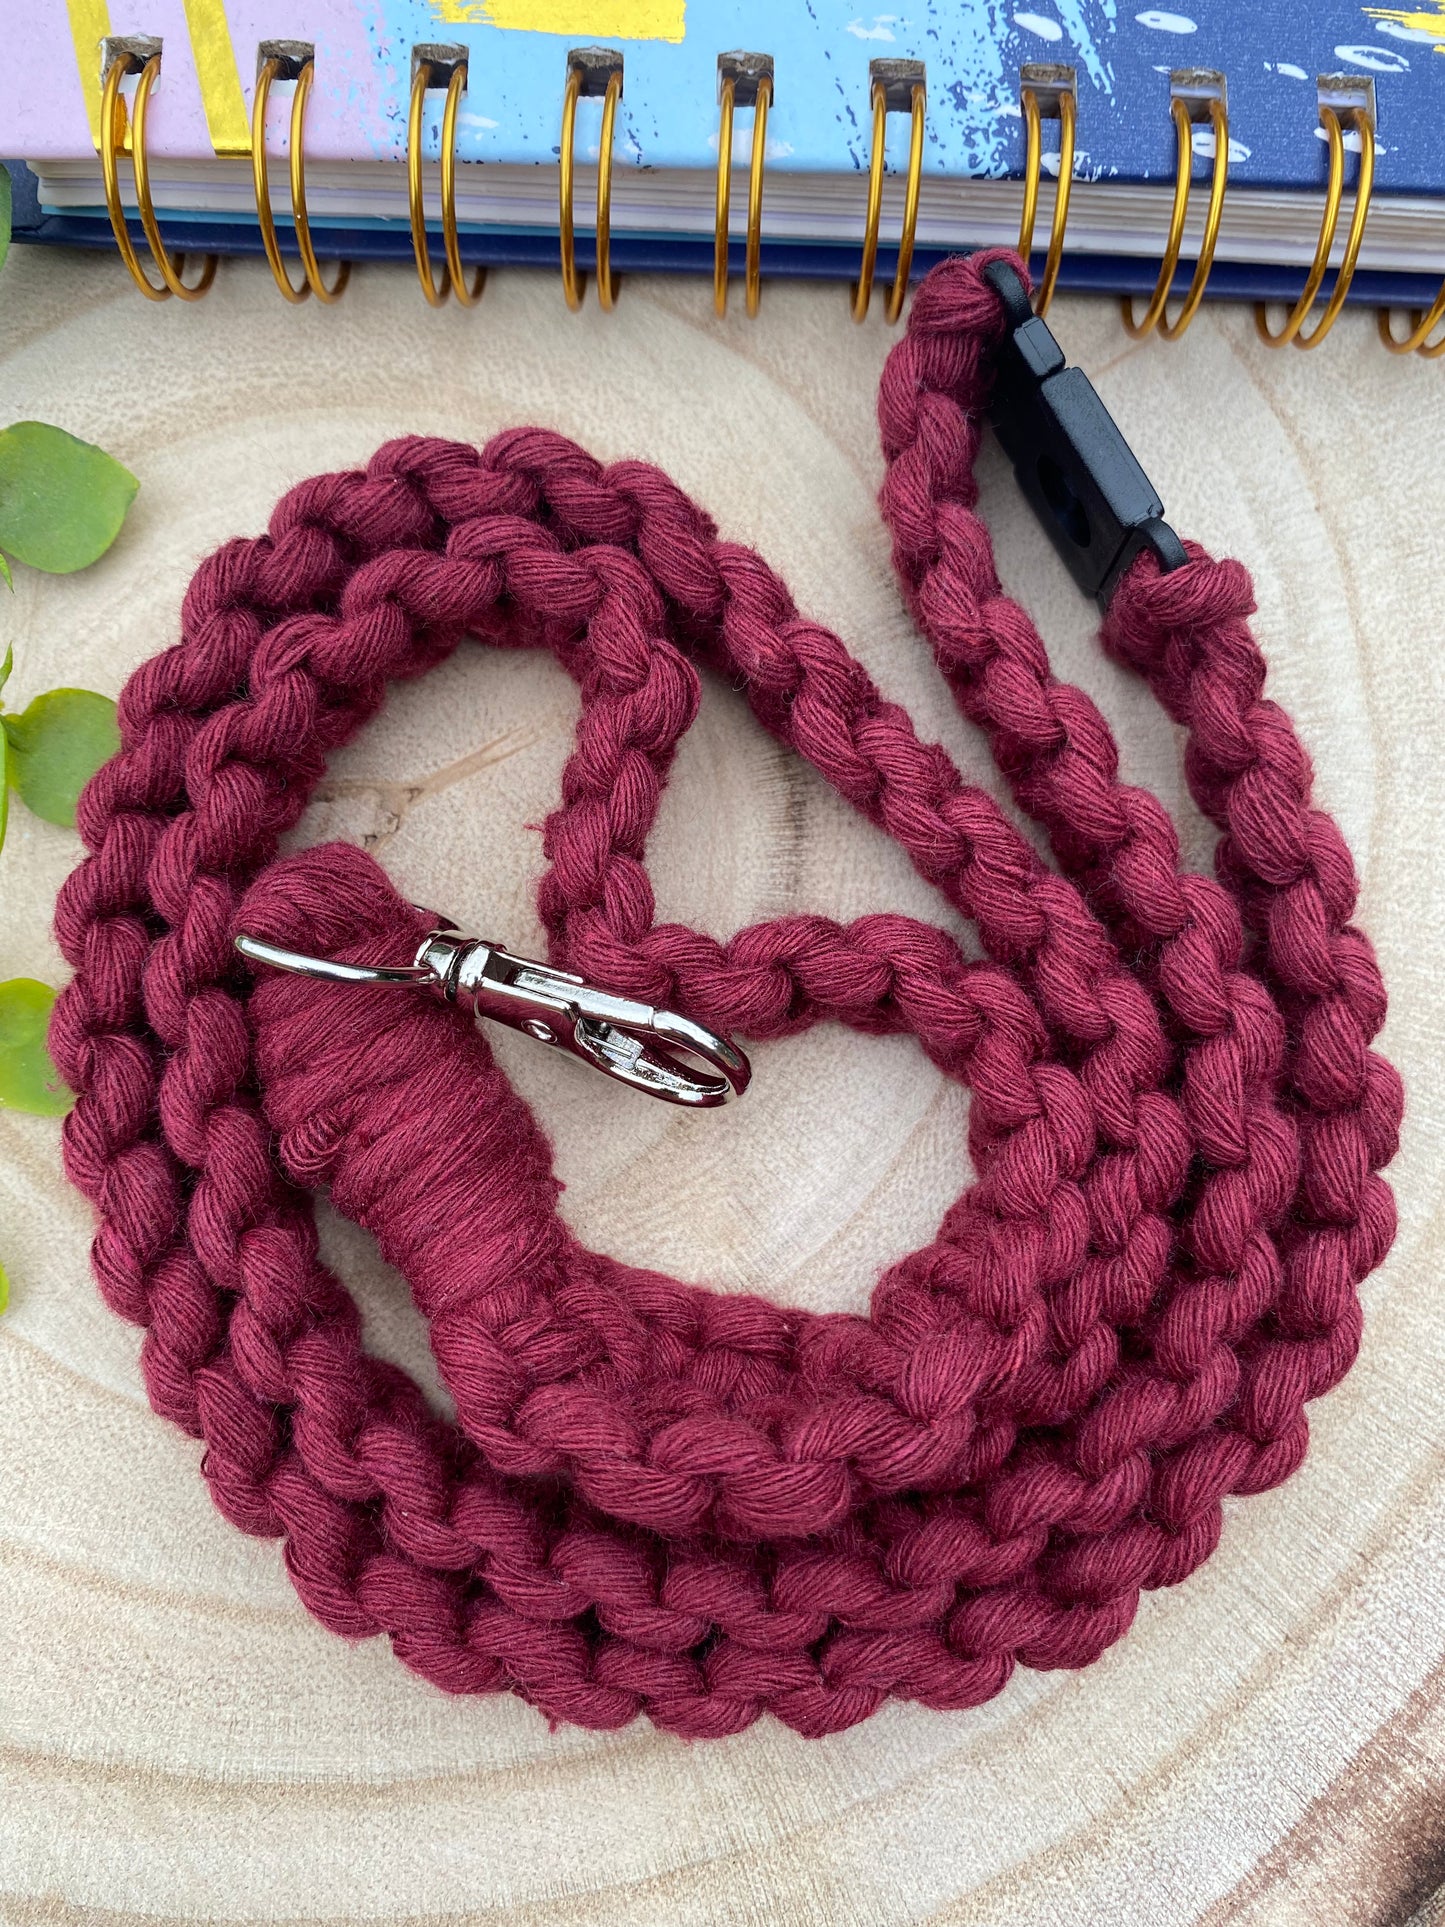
(454,275)
(112,140)
(606,286)
(1033,167)
(753,279)
(863,289)
(896,293)
(435,291)
(468,296)
(1156,314)
(298,195)
(1360,121)
(274,68)
(571,280)
(269,70)
(726,97)
(753,268)
(1423,326)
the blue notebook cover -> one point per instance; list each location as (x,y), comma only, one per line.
(820,122)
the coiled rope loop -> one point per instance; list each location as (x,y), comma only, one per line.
(654,1499)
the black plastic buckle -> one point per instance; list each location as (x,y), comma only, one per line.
(1078,474)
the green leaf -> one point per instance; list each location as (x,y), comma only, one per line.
(9,662)
(4,782)
(4,240)
(56,746)
(4,1289)
(62,501)
(5,574)
(29,1081)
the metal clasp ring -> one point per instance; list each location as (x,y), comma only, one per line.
(637,1044)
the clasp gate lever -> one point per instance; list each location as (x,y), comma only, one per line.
(635,1043)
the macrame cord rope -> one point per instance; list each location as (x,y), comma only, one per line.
(657,1500)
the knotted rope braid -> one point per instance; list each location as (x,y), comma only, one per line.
(655,1499)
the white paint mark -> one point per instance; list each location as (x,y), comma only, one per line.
(1167,22)
(1291,72)
(1397,30)
(743,144)
(1040,24)
(881,29)
(1376,60)
(1351,138)
(477,120)
(1075,16)
(1202,141)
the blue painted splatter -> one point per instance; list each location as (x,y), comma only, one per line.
(972,50)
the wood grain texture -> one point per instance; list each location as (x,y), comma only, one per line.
(178,1741)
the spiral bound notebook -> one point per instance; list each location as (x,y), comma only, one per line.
(971,81)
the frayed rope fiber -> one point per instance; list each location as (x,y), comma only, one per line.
(656,1500)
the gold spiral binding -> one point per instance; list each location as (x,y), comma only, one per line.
(1185,109)
(288,60)
(725,101)
(1423,326)
(744,80)
(863,286)
(270,69)
(431,67)
(298,195)
(468,296)
(727,93)
(585,67)
(753,258)
(895,84)
(1039,86)
(122,59)
(1359,115)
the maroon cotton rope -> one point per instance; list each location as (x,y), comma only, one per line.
(656,1499)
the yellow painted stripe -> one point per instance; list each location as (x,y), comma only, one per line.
(89,25)
(227,120)
(1426,22)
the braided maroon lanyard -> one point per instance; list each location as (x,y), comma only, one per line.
(657,1500)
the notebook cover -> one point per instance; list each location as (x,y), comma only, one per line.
(1270,53)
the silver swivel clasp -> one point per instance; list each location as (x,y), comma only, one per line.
(651,1050)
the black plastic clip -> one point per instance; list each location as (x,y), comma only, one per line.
(1079,475)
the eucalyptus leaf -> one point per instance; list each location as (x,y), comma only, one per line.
(4,1289)
(56,746)
(9,662)
(29,1081)
(4,228)
(62,500)
(5,575)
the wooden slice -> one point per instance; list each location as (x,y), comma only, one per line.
(179,1742)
